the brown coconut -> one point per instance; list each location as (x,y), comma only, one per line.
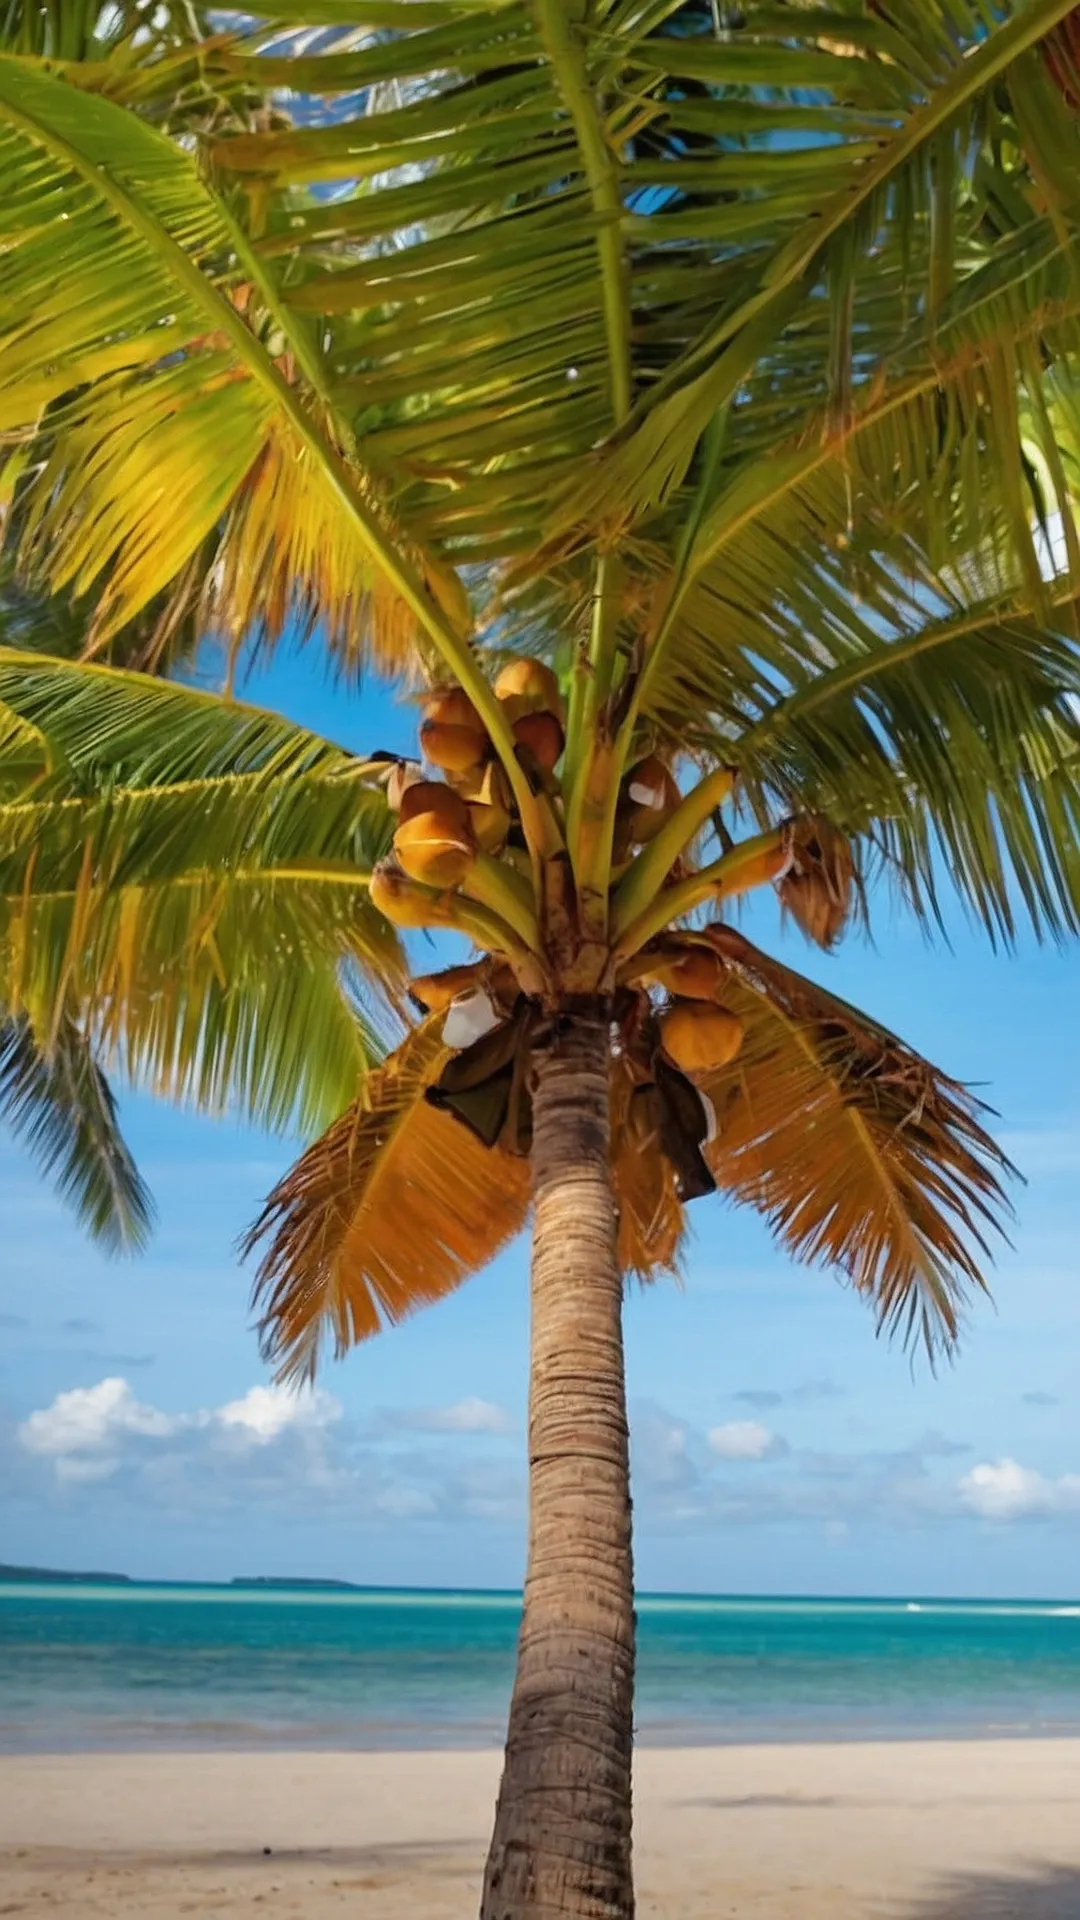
(436,844)
(649,797)
(534,683)
(432,796)
(452,733)
(700,1037)
(540,735)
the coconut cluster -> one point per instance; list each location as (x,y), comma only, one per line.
(467,808)
(458,804)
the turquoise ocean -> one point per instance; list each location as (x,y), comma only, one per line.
(129,1667)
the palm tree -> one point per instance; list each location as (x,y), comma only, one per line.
(680,403)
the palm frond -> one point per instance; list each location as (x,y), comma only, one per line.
(391,1209)
(192,874)
(158,412)
(103,723)
(56,1099)
(860,1154)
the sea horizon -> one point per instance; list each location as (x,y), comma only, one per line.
(19,1579)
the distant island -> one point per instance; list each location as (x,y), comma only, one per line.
(284,1582)
(32,1574)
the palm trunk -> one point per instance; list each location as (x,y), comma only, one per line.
(561,1844)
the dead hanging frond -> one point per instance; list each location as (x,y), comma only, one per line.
(391,1209)
(861,1154)
(816,885)
(645,1175)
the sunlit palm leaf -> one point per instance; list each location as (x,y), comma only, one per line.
(193,874)
(166,413)
(391,1209)
(56,1099)
(861,1155)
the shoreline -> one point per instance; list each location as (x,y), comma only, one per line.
(904,1830)
(223,1742)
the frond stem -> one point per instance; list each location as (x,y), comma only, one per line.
(748,865)
(643,880)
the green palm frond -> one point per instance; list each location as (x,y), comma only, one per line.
(193,874)
(99,723)
(56,1100)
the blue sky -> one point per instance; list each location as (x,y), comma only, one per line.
(777,1446)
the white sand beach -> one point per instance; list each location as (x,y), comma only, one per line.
(986,1830)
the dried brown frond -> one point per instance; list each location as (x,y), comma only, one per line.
(652,1220)
(860,1153)
(817,883)
(391,1209)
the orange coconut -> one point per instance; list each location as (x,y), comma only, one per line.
(533,682)
(436,844)
(696,974)
(700,1037)
(432,796)
(393,894)
(452,733)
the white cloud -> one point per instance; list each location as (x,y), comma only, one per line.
(745,1440)
(1004,1490)
(89,1431)
(265,1412)
(287,1451)
(93,1421)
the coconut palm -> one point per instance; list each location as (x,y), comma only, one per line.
(680,404)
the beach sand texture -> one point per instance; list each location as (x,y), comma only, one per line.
(980,1830)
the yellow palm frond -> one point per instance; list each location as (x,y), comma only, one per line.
(861,1154)
(391,1209)
(164,396)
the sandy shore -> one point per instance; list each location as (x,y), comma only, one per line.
(948,1831)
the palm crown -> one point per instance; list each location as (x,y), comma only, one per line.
(680,403)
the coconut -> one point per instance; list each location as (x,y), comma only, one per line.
(436,847)
(540,735)
(700,1037)
(431,796)
(435,991)
(694,974)
(452,733)
(391,893)
(649,797)
(534,683)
